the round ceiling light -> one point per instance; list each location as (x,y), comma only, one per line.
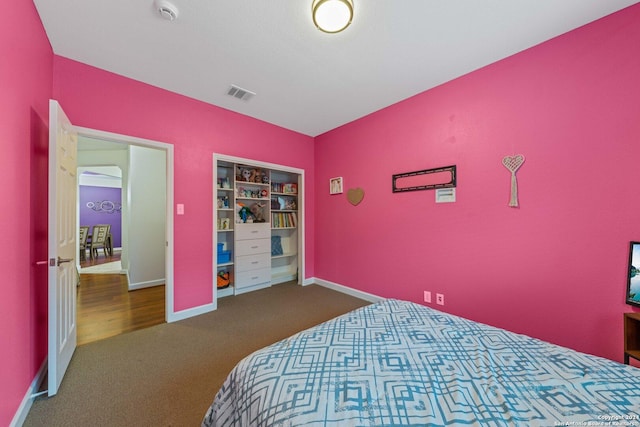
(332,16)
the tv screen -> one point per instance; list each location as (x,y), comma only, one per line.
(633,280)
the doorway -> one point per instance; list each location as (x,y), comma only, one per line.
(105,305)
(149,299)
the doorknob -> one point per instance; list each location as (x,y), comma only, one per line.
(63,260)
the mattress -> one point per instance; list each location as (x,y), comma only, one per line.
(397,363)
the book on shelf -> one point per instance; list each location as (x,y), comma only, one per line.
(284,188)
(284,219)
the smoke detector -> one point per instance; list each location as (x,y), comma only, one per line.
(166,9)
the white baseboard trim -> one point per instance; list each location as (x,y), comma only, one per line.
(148,284)
(24,408)
(344,289)
(195,311)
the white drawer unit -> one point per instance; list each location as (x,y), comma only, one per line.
(252,257)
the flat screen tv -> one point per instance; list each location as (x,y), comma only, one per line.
(633,279)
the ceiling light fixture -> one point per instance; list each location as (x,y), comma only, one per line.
(332,16)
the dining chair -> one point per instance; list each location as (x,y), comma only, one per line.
(109,244)
(84,234)
(99,237)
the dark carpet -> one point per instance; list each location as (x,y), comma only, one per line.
(168,375)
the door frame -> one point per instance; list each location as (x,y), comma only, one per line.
(170,315)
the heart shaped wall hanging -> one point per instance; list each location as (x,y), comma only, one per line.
(355,195)
(513,163)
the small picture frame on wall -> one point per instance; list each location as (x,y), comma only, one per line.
(335,185)
(633,275)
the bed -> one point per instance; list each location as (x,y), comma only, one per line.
(397,363)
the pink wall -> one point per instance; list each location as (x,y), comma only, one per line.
(25,85)
(101,100)
(555,268)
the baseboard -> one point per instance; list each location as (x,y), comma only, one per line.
(185,314)
(195,311)
(29,397)
(148,284)
(344,289)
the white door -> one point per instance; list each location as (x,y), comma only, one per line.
(63,143)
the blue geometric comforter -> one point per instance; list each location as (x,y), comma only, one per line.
(396,363)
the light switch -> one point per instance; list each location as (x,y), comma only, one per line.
(180,209)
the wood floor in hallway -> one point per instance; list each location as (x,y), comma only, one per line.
(105,306)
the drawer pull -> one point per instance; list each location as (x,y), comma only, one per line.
(254,247)
(254,262)
(254,277)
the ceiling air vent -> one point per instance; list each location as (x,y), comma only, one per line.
(238,92)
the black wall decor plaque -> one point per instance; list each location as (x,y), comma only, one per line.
(424,179)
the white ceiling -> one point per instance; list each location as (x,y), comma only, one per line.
(306,80)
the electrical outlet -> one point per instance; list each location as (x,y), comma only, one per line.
(427,296)
(440,299)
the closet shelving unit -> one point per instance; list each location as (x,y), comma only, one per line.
(260,254)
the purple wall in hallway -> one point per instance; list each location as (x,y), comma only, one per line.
(106,202)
